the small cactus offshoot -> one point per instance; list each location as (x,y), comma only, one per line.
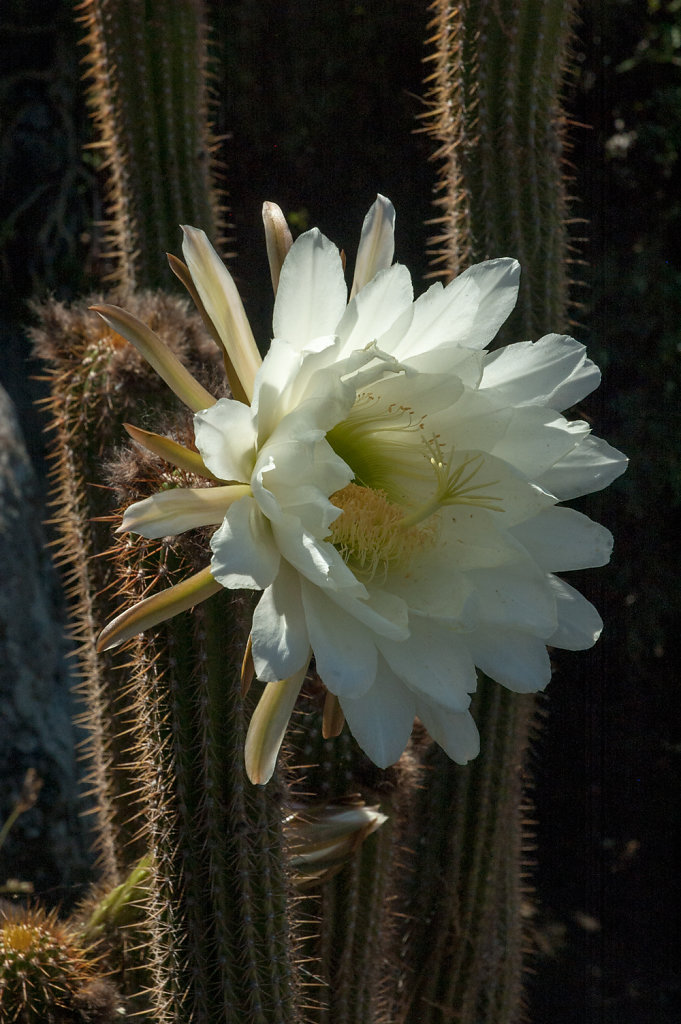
(47,976)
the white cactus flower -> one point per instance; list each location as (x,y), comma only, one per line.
(392,488)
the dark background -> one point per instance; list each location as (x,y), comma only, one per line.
(321,102)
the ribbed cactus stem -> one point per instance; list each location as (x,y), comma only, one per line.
(213,942)
(220,932)
(147,71)
(498,68)
(461,895)
(496,116)
(356,937)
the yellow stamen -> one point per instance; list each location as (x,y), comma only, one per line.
(370,533)
(454,486)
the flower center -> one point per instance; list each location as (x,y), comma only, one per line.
(382,444)
(372,534)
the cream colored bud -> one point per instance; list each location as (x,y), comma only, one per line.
(320,839)
(277,238)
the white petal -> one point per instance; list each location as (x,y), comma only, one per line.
(448,359)
(553,371)
(535,439)
(517,596)
(560,539)
(381,720)
(315,559)
(302,477)
(275,377)
(476,540)
(376,243)
(530,438)
(468,312)
(222,303)
(497,284)
(420,389)
(183,508)
(592,465)
(579,624)
(311,297)
(344,650)
(384,613)
(375,308)
(484,477)
(518,661)
(434,322)
(434,662)
(244,555)
(279,632)
(268,725)
(457,734)
(428,589)
(225,437)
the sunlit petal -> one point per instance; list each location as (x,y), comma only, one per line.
(223,305)
(158,355)
(157,608)
(268,725)
(182,508)
(376,244)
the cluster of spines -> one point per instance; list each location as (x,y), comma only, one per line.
(47,975)
(496,117)
(147,65)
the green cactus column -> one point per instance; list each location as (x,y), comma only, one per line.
(146,68)
(496,74)
(165,721)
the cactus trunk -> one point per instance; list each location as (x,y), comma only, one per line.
(147,65)
(495,117)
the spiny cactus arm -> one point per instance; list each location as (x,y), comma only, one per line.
(158,355)
(497,125)
(147,71)
(497,121)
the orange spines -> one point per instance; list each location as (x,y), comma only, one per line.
(498,69)
(147,74)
